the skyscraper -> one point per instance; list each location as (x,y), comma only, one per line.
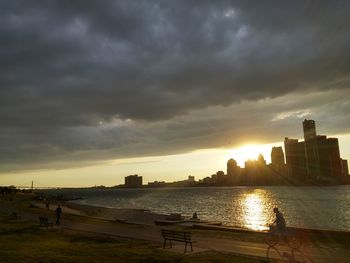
(318,157)
(133,181)
(232,167)
(295,158)
(309,128)
(261,160)
(344,167)
(277,156)
(311,152)
(277,159)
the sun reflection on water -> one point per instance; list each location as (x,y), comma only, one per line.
(255,210)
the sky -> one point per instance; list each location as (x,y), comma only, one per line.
(92,91)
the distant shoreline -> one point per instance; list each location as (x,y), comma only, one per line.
(195,186)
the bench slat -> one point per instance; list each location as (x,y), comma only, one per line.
(44,221)
(173,235)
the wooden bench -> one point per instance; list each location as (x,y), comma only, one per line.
(14,216)
(44,221)
(173,235)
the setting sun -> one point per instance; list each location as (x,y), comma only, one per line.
(251,151)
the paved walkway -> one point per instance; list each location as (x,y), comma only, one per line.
(305,254)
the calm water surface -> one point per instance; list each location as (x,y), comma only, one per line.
(246,207)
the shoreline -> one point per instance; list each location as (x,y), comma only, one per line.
(128,215)
(122,187)
(137,216)
(144,215)
(125,215)
(148,218)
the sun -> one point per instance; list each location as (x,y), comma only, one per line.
(250,151)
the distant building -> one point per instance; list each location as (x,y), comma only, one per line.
(344,167)
(157,184)
(232,167)
(277,159)
(261,160)
(295,158)
(133,181)
(219,177)
(207,180)
(277,156)
(328,161)
(255,164)
(250,164)
(318,157)
(309,128)
(190,178)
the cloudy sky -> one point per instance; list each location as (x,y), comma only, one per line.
(103,89)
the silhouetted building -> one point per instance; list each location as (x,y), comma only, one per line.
(344,167)
(190,178)
(318,157)
(207,181)
(157,184)
(295,158)
(277,156)
(328,161)
(250,164)
(277,159)
(133,181)
(309,128)
(255,164)
(311,152)
(218,178)
(232,167)
(261,160)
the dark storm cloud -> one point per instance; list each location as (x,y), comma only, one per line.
(66,67)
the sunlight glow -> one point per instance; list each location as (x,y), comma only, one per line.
(200,163)
(251,152)
(254,212)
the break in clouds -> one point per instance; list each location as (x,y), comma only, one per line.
(82,81)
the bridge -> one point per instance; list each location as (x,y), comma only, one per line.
(33,185)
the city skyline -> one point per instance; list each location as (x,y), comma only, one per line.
(220,157)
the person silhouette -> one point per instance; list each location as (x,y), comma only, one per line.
(280,222)
(194,216)
(58,214)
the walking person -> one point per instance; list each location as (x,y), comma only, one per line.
(47,204)
(58,214)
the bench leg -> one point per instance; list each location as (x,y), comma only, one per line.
(185,247)
(164,243)
(191,247)
(170,244)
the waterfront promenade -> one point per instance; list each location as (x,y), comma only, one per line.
(246,243)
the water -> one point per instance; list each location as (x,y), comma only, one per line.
(245,207)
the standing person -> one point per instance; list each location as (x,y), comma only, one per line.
(47,204)
(58,214)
